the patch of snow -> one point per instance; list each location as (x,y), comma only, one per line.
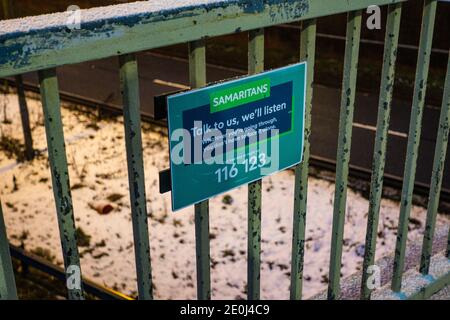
(98,171)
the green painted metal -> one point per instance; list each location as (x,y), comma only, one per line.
(24,115)
(202,250)
(426,38)
(7,282)
(129,81)
(255,65)
(379,153)
(197,78)
(436,179)
(307,53)
(255,51)
(146,25)
(343,151)
(60,176)
(418,286)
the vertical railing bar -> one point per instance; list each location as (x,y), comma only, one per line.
(420,86)
(29,153)
(436,179)
(8,289)
(129,82)
(60,180)
(379,153)
(343,151)
(197,77)
(255,65)
(307,53)
(7,9)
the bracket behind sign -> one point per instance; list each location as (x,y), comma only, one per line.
(160,103)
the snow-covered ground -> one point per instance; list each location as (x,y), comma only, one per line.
(97,166)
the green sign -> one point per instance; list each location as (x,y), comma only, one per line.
(236,132)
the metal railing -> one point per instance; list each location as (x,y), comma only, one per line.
(42,44)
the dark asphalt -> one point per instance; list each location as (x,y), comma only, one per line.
(98,81)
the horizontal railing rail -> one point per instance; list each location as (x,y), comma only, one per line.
(41,42)
(44,43)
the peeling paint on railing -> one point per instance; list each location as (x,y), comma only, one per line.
(46,41)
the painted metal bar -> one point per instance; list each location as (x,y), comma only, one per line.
(420,287)
(129,82)
(132,27)
(255,65)
(7,282)
(24,115)
(197,78)
(307,53)
(8,12)
(436,179)
(343,151)
(379,152)
(60,179)
(434,286)
(415,125)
